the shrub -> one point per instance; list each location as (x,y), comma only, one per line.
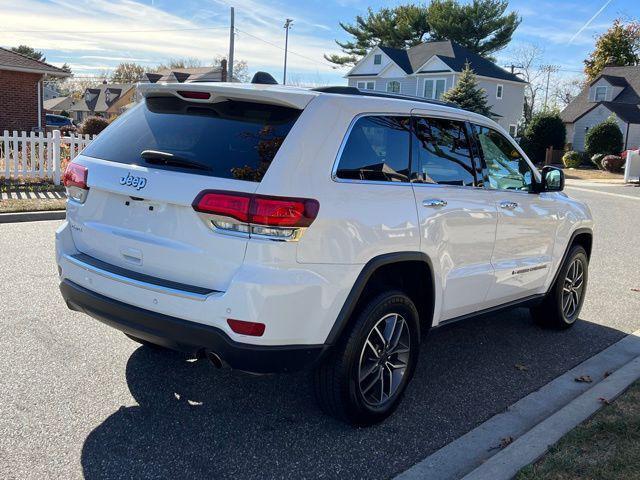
(93,126)
(545,129)
(613,163)
(605,137)
(597,160)
(571,159)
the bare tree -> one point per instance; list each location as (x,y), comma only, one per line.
(526,59)
(566,89)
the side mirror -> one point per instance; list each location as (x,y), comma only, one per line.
(552,179)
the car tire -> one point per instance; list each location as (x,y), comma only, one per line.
(561,306)
(364,379)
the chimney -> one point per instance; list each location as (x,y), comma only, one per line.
(223,70)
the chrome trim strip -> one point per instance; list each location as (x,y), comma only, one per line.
(136,283)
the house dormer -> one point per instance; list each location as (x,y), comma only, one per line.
(111,95)
(606,88)
(91,95)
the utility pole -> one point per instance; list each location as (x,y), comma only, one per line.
(287,26)
(548,69)
(232,29)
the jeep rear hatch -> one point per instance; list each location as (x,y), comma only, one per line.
(147,168)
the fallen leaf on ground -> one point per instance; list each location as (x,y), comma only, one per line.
(506,441)
(607,373)
(520,367)
(635,289)
(604,400)
(584,379)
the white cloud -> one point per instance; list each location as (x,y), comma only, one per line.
(78,31)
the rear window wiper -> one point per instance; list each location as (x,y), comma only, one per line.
(164,158)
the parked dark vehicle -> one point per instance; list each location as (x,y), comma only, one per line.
(56,122)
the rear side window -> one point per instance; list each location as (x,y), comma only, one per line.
(441,152)
(229,139)
(377,149)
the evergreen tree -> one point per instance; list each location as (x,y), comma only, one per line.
(467,94)
(619,46)
(481,26)
(29,52)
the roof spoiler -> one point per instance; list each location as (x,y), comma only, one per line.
(219,92)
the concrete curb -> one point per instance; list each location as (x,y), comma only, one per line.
(534,444)
(469,452)
(32,216)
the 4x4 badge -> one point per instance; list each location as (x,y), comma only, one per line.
(136,182)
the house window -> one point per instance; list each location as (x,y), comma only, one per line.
(601,94)
(393,87)
(377,59)
(513,130)
(499,90)
(434,88)
(367,85)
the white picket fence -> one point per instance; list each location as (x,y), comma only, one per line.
(38,155)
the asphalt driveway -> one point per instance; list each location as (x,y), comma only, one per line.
(79,399)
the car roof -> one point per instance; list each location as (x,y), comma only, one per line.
(299,97)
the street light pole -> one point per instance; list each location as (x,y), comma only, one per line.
(287,26)
(231,46)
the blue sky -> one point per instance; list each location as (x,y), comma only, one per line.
(95,35)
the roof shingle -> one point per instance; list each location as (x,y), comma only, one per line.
(10,60)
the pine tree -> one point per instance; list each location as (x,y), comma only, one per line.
(467,94)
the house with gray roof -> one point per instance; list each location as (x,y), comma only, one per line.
(431,68)
(616,91)
(22,91)
(107,100)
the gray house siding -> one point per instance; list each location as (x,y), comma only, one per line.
(594,117)
(510,106)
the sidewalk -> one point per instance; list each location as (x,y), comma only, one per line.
(506,443)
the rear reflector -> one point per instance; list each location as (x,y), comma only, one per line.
(246,328)
(258,209)
(194,95)
(75,176)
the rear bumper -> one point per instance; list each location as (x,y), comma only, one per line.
(187,336)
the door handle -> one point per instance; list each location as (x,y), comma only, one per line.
(509,205)
(434,203)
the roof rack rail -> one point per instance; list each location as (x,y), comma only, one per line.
(341,90)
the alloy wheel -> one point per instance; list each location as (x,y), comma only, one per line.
(572,289)
(384,359)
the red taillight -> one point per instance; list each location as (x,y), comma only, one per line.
(75,176)
(226,204)
(258,209)
(194,95)
(246,328)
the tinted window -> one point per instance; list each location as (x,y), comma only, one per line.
(377,149)
(232,139)
(506,168)
(441,152)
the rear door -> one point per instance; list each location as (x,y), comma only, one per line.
(138,214)
(457,217)
(527,222)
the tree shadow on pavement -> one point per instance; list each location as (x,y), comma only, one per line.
(193,421)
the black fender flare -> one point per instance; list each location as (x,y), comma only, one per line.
(574,234)
(361,282)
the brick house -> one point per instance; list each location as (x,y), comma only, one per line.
(21,91)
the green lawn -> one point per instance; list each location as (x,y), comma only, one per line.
(606,447)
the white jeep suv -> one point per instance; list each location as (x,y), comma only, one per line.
(273,229)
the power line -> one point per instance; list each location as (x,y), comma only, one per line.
(282,48)
(115,31)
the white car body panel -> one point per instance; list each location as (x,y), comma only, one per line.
(298,288)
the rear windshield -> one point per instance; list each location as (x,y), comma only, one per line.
(229,139)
